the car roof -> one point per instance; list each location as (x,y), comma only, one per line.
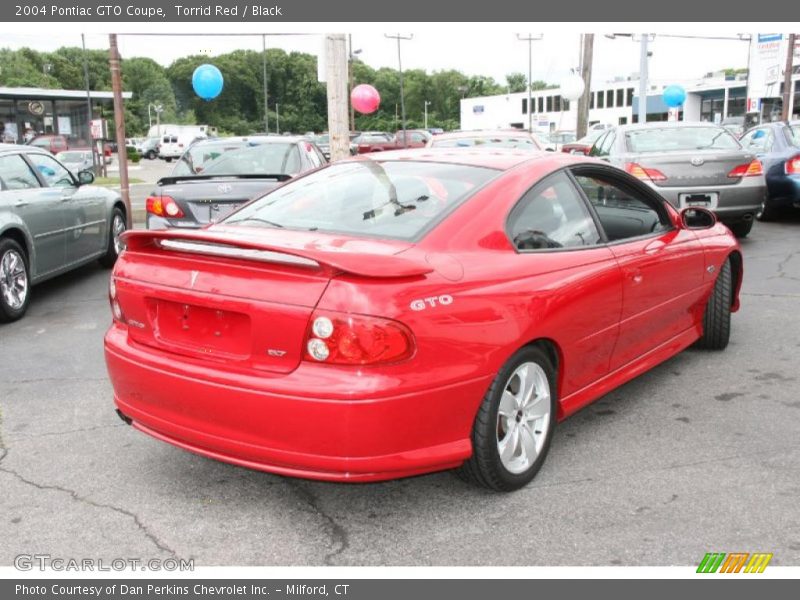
(666,125)
(256,139)
(483,133)
(501,159)
(8,148)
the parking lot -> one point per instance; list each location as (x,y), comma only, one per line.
(699,455)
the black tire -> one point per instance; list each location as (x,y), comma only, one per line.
(717,316)
(8,312)
(151,154)
(768,211)
(742,228)
(168,159)
(111,254)
(485,467)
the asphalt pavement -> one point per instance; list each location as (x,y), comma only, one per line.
(699,455)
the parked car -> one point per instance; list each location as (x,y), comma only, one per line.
(374,141)
(323,142)
(216,176)
(435,130)
(691,164)
(583,145)
(559,138)
(735,125)
(52,143)
(51,221)
(417,138)
(148,147)
(173,145)
(515,139)
(412,311)
(777,146)
(76,160)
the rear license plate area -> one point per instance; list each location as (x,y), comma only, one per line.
(200,329)
(217,212)
(705,200)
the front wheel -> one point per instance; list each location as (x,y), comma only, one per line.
(717,316)
(14,281)
(150,155)
(512,430)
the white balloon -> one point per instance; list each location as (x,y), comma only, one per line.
(572,87)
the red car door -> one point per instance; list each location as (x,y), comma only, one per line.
(662,266)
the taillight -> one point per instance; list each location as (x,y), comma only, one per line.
(348,339)
(163,206)
(750,169)
(116,309)
(793,166)
(644,173)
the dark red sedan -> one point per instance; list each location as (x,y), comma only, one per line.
(412,311)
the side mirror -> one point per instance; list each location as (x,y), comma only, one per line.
(85,177)
(695,217)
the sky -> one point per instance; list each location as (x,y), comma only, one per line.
(493,50)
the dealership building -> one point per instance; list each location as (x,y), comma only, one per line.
(712,98)
(26,112)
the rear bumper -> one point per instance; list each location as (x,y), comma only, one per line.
(310,435)
(735,203)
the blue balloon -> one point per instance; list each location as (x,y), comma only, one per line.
(207,81)
(674,96)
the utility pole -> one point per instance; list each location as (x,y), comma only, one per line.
(643,79)
(426,113)
(277,118)
(399,37)
(88,106)
(119,120)
(530,38)
(587,55)
(264,77)
(336,66)
(787,79)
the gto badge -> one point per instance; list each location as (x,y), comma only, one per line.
(432,302)
(698,161)
(276,353)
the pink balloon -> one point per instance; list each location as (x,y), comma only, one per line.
(365,98)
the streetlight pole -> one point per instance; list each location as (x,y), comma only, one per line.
(399,37)
(88,106)
(277,118)
(264,77)
(643,76)
(530,38)
(426,113)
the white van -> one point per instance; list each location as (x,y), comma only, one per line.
(173,145)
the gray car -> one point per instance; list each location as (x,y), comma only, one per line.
(691,164)
(51,221)
(76,160)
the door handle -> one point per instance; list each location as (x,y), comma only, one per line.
(66,197)
(20,204)
(636,276)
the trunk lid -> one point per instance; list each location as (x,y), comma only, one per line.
(696,168)
(239,296)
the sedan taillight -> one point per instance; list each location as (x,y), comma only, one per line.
(644,173)
(163,206)
(793,166)
(751,169)
(348,339)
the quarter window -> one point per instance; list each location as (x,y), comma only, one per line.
(622,212)
(552,215)
(15,174)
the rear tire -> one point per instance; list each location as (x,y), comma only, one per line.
(514,425)
(717,317)
(168,159)
(767,212)
(15,292)
(117,228)
(742,228)
(150,155)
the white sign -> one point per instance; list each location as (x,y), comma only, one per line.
(767,62)
(64,125)
(98,129)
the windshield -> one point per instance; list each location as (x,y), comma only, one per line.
(523,143)
(240,158)
(680,138)
(392,199)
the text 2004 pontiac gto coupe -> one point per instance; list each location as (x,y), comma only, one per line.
(412,312)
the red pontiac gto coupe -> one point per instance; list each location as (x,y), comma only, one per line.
(412,311)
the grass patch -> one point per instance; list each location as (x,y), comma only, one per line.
(115,180)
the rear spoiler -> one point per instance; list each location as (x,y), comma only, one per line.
(173,179)
(210,244)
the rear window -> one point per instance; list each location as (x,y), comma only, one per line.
(680,138)
(240,158)
(391,199)
(520,143)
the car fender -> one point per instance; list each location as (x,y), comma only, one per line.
(9,221)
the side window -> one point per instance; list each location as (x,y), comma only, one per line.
(314,157)
(608,143)
(552,215)
(595,151)
(621,212)
(15,174)
(758,140)
(53,172)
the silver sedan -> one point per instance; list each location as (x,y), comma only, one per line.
(51,221)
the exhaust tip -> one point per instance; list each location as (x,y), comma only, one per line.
(748,217)
(125,419)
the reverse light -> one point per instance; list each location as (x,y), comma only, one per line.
(163,206)
(116,309)
(644,173)
(793,166)
(348,339)
(750,169)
